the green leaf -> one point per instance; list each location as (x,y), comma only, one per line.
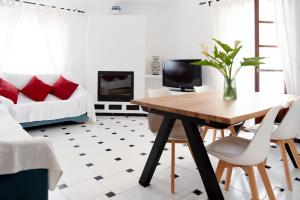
(255,61)
(235,52)
(224,46)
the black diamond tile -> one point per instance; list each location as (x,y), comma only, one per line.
(43,130)
(246,174)
(176,176)
(62,186)
(143,154)
(107,128)
(67,133)
(118,122)
(82,154)
(166,149)
(71,139)
(89,164)
(93,136)
(180,157)
(118,159)
(112,118)
(114,133)
(131,145)
(88,131)
(101,124)
(268,167)
(125,126)
(158,164)
(122,138)
(132,130)
(279,189)
(133,120)
(45,135)
(142,135)
(98,178)
(83,126)
(223,182)
(110,194)
(76,146)
(274,146)
(100,142)
(197,192)
(297,179)
(64,128)
(152,141)
(107,149)
(129,170)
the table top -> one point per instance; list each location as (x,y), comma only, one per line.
(211,106)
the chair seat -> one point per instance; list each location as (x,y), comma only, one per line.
(228,148)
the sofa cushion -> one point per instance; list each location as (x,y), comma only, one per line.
(63,88)
(8,90)
(36,89)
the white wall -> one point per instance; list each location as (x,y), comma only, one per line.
(174,29)
(116,43)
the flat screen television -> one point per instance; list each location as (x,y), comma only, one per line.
(181,74)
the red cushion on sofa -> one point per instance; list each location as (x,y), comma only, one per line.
(63,88)
(8,90)
(36,89)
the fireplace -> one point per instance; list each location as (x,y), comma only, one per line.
(115,86)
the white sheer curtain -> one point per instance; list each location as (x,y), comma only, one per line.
(9,16)
(234,20)
(288,37)
(46,40)
(65,35)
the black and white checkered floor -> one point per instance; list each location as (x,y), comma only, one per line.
(104,161)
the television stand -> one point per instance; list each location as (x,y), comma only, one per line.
(181,90)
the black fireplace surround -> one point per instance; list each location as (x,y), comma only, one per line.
(115,86)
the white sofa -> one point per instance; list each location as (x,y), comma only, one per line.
(79,107)
(26,162)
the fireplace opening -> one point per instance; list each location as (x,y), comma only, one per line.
(115,86)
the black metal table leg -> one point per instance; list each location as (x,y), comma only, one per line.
(202,161)
(288,150)
(156,151)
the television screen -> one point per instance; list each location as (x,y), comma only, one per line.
(181,74)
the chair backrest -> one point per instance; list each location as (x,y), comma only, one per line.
(202,89)
(155,120)
(290,126)
(258,148)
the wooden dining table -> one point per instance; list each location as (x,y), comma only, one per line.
(203,109)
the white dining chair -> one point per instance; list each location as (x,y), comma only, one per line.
(240,152)
(203,89)
(177,135)
(283,134)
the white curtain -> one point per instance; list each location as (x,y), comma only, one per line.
(65,35)
(288,37)
(234,20)
(46,40)
(9,16)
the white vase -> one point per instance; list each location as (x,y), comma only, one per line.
(155,65)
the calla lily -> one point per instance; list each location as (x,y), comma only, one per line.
(237,43)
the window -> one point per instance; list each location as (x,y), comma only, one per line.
(269,77)
(29,52)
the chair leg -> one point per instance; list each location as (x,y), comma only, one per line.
(215,135)
(173,167)
(294,152)
(285,165)
(252,183)
(232,131)
(203,134)
(220,169)
(222,133)
(266,181)
(228,177)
